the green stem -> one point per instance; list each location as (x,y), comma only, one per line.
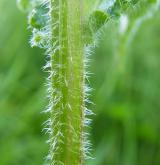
(67,81)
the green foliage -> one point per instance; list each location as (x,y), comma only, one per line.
(97,19)
(125,129)
(37,18)
(21,92)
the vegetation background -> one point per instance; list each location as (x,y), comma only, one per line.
(126,127)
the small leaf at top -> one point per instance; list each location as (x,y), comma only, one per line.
(97,19)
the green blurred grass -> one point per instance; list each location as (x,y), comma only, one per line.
(21,92)
(125,129)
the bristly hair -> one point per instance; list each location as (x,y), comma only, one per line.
(57,27)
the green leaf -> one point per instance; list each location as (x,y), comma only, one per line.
(97,19)
(37,18)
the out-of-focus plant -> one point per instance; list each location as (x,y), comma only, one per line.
(21,90)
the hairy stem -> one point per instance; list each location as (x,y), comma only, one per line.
(67,80)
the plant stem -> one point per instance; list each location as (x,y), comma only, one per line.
(67,82)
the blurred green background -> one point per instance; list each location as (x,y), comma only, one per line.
(126,127)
